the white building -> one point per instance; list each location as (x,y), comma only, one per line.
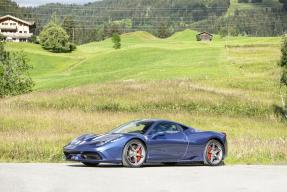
(15,29)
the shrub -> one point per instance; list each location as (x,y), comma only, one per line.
(283,65)
(14,73)
(116,40)
(55,39)
(34,39)
(165,31)
(72,46)
(2,37)
(283,62)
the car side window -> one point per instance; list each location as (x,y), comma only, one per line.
(166,128)
(182,127)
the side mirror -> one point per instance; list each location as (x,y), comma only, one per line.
(154,136)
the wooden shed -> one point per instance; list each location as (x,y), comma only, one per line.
(204,36)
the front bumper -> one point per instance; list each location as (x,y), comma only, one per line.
(92,154)
(82,156)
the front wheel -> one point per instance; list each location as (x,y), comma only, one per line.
(134,154)
(213,153)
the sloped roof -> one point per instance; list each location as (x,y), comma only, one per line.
(204,32)
(17,19)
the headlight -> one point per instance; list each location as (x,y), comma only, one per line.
(103,142)
(77,141)
(99,143)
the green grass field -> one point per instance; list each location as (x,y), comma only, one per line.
(229,85)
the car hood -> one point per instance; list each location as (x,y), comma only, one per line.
(95,139)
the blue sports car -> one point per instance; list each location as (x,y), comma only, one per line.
(149,141)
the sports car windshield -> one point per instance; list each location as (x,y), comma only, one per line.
(134,127)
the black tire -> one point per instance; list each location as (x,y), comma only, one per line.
(90,164)
(134,154)
(214,153)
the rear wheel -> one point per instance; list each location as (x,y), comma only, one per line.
(213,154)
(134,154)
(90,164)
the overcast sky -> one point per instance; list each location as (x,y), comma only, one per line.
(41,2)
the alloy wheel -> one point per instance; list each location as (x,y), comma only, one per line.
(214,153)
(134,154)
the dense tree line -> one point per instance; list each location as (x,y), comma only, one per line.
(9,7)
(284,2)
(257,22)
(101,19)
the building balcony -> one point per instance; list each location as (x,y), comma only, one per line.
(8,27)
(18,35)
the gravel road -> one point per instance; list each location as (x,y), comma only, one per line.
(111,178)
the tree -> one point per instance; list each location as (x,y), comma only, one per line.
(111,29)
(223,32)
(283,65)
(284,2)
(99,33)
(69,26)
(54,38)
(164,31)
(14,73)
(116,38)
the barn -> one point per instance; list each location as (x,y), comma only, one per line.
(204,36)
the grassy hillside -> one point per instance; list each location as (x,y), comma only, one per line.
(227,85)
(143,56)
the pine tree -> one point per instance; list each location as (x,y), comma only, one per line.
(116,38)
(69,26)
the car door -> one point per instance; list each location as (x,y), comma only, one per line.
(166,142)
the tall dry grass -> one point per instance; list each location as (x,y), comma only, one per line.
(35,127)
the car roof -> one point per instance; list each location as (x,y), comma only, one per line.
(160,120)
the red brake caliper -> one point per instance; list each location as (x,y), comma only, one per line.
(139,154)
(209,153)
